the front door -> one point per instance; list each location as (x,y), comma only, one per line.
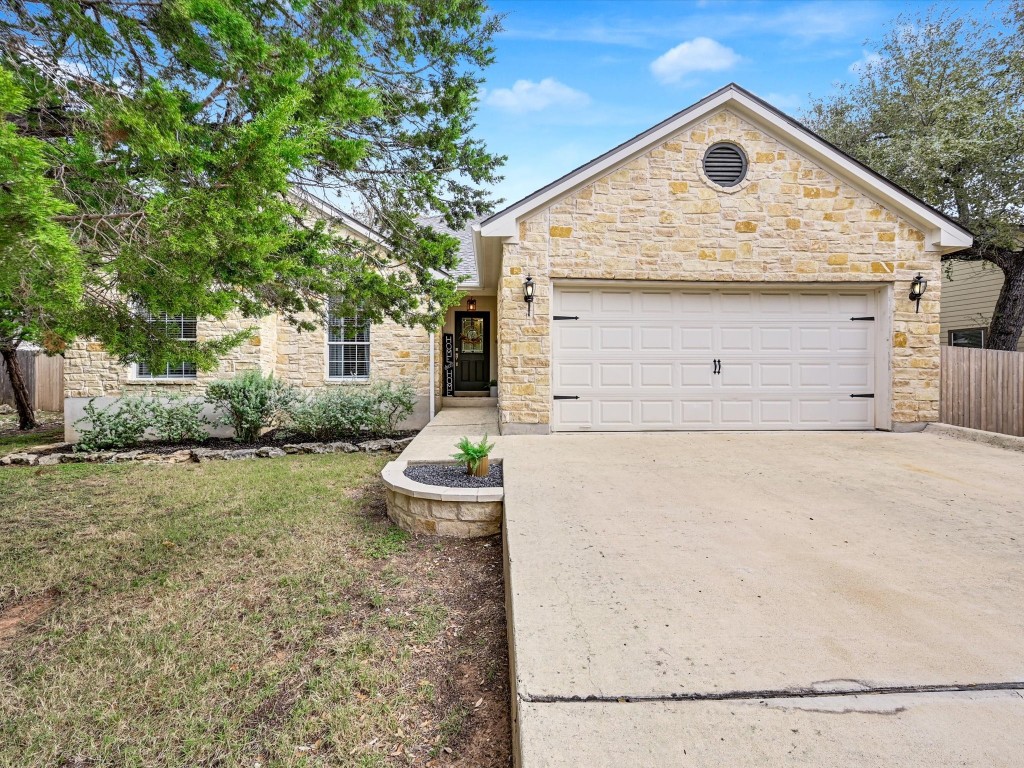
(472,351)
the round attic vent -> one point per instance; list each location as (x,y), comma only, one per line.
(725,164)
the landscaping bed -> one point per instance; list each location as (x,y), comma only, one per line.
(454,475)
(242,613)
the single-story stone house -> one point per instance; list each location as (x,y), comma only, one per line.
(725,269)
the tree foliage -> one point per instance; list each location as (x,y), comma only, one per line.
(149,147)
(940,110)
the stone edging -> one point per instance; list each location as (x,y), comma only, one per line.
(440,511)
(32,458)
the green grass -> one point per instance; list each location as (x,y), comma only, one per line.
(12,442)
(207,614)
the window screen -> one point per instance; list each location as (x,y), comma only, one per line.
(348,346)
(184,329)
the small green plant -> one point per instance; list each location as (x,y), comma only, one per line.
(179,419)
(472,454)
(252,402)
(119,425)
(352,411)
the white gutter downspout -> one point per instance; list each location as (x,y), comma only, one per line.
(433,342)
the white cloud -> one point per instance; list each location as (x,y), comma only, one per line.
(528,96)
(702,54)
(866,61)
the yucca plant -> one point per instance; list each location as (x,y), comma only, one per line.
(474,455)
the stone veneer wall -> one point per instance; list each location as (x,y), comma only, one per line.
(397,354)
(659,218)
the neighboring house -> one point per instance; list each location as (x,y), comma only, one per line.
(726,269)
(969,294)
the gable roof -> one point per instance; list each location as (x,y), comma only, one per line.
(941,232)
(332,211)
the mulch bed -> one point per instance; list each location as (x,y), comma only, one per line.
(467,662)
(454,476)
(273,439)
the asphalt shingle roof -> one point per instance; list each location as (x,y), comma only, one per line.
(466,271)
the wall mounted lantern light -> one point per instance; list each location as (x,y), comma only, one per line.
(471,304)
(528,287)
(917,288)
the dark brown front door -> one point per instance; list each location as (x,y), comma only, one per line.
(472,350)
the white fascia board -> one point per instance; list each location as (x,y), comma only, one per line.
(943,235)
(332,212)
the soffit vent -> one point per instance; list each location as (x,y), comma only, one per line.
(725,164)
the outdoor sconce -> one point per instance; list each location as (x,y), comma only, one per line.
(471,304)
(528,287)
(917,288)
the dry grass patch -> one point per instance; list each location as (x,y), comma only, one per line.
(241,613)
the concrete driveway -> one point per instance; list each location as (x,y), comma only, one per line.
(756,599)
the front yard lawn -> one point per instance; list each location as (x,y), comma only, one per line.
(241,614)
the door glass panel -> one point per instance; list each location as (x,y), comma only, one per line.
(471,335)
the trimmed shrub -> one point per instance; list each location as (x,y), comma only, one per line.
(252,402)
(353,410)
(179,419)
(119,425)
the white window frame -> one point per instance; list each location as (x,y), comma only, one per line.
(347,321)
(981,329)
(186,375)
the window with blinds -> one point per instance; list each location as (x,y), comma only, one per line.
(183,327)
(348,346)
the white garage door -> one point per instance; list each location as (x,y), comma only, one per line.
(627,358)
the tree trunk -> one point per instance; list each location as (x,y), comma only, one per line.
(26,415)
(1008,317)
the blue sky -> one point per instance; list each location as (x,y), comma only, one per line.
(574,78)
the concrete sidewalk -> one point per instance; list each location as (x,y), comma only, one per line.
(765,599)
(436,441)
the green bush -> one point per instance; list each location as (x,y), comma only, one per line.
(252,402)
(179,419)
(352,410)
(120,425)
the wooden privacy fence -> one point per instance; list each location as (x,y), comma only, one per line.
(982,389)
(44,379)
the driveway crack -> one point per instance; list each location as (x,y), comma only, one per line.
(783,693)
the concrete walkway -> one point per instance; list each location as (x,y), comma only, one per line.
(773,599)
(436,441)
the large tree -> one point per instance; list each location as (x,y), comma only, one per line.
(940,110)
(167,134)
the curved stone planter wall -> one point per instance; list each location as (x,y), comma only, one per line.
(462,513)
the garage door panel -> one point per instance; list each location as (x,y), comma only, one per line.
(612,375)
(814,340)
(736,414)
(735,339)
(574,413)
(656,375)
(643,359)
(616,302)
(775,375)
(573,338)
(696,375)
(656,302)
(656,414)
(656,338)
(775,339)
(737,375)
(570,301)
(573,375)
(696,339)
(616,413)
